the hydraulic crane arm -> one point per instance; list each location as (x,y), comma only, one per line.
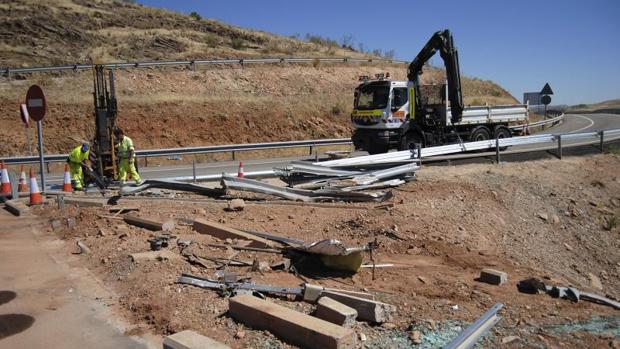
(441,41)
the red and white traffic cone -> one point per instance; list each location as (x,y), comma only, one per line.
(240,171)
(23,182)
(35,194)
(66,184)
(6,183)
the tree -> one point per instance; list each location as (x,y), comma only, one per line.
(195,15)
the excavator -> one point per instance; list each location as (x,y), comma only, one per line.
(391,114)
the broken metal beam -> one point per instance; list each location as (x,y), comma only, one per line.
(473,333)
(223,232)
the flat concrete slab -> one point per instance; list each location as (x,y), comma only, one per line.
(191,340)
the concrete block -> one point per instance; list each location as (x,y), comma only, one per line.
(191,340)
(56,224)
(290,325)
(16,207)
(149,224)
(71,223)
(85,202)
(493,277)
(335,312)
(367,310)
(223,232)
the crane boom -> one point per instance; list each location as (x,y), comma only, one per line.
(441,41)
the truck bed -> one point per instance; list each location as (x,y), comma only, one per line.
(492,115)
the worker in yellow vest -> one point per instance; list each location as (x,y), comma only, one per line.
(127,157)
(78,158)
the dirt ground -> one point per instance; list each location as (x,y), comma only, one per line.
(549,219)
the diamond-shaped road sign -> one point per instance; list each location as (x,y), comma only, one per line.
(546,90)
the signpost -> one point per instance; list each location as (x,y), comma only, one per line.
(546,99)
(36,107)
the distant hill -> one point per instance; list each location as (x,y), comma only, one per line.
(611,106)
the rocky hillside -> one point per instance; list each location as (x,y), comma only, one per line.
(51,32)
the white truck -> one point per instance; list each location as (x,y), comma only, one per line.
(404,114)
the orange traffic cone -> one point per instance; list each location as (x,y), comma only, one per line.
(66,184)
(23,183)
(240,171)
(6,183)
(35,195)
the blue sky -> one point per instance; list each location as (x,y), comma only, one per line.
(574,45)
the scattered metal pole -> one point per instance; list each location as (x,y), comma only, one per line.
(41,156)
(473,333)
(497,150)
(559,147)
(602,133)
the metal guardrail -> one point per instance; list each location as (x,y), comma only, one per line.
(195,150)
(193,63)
(18,160)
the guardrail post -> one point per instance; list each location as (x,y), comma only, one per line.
(311,148)
(602,134)
(497,159)
(47,167)
(194,168)
(233,156)
(559,147)
(146,161)
(316,155)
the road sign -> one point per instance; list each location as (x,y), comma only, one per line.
(35,102)
(546,90)
(24,114)
(545,100)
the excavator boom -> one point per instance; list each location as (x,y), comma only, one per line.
(441,41)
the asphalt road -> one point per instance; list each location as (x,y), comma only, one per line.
(573,123)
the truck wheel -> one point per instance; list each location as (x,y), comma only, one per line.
(480,133)
(502,131)
(410,140)
(377,149)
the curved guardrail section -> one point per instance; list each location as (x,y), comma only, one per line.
(193,63)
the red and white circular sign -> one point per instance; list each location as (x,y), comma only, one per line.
(35,103)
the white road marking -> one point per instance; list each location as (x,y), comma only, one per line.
(585,127)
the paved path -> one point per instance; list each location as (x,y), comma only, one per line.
(44,301)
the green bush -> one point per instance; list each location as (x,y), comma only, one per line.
(195,15)
(611,222)
(237,44)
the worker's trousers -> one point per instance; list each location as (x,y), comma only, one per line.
(77,176)
(126,166)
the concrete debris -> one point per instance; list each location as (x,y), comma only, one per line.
(85,202)
(16,207)
(191,340)
(335,312)
(367,310)
(292,326)
(71,223)
(493,277)
(335,255)
(223,232)
(55,224)
(82,248)
(236,205)
(510,339)
(595,282)
(149,224)
(534,286)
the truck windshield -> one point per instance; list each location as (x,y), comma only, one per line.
(372,96)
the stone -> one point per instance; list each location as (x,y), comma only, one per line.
(335,312)
(236,205)
(416,337)
(56,224)
(71,223)
(493,277)
(510,339)
(543,216)
(595,282)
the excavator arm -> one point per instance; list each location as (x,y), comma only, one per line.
(441,41)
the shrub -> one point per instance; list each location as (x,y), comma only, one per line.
(212,40)
(316,62)
(195,15)
(611,222)
(237,44)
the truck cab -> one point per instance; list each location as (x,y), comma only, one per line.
(380,108)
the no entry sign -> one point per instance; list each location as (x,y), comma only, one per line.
(35,102)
